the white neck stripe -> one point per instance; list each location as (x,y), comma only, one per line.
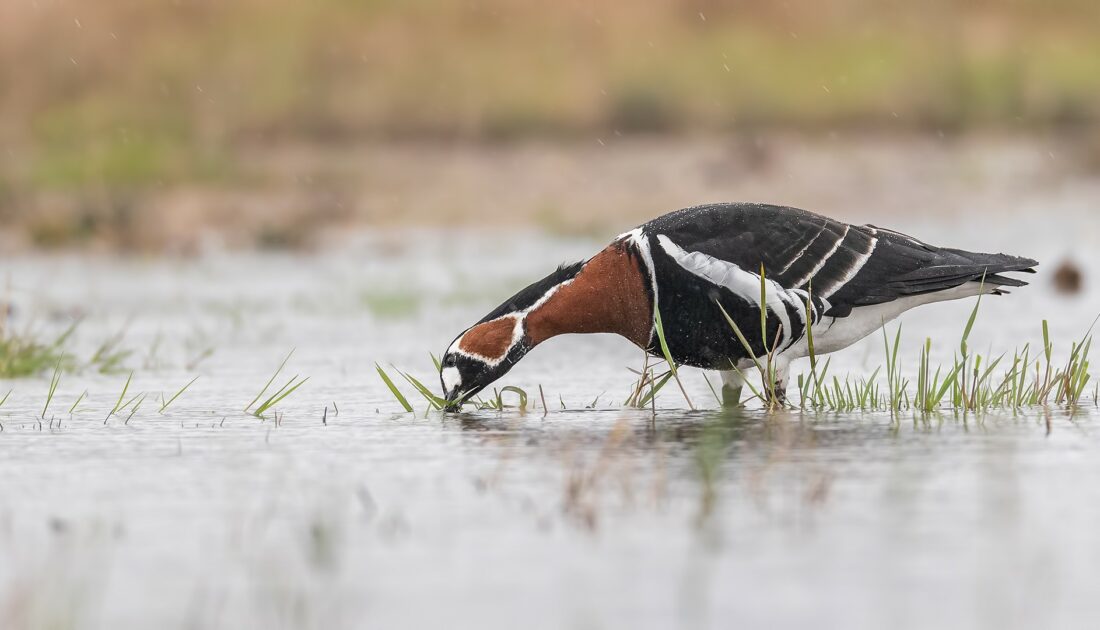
(638,239)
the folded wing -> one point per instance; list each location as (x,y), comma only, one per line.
(848,265)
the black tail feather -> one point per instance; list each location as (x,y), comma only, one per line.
(974,267)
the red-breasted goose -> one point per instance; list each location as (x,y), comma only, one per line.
(688,262)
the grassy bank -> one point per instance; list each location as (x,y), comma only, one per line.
(148,125)
(132,95)
(305,196)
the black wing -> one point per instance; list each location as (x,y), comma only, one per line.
(848,265)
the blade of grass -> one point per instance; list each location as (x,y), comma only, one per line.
(269,381)
(433,400)
(71,409)
(177,395)
(393,388)
(55,380)
(134,410)
(121,397)
(651,394)
(713,391)
(744,342)
(519,392)
(280,395)
(667,354)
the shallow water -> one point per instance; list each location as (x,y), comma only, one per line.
(344,512)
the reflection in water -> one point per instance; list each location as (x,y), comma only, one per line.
(623,460)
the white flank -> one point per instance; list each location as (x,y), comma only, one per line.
(833,334)
(744,284)
(825,259)
(856,266)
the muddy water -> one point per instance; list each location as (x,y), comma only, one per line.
(343,512)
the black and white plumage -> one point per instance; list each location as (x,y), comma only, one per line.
(855,277)
(691,261)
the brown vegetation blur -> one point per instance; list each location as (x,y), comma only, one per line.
(195,111)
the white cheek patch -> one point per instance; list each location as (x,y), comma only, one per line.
(451,378)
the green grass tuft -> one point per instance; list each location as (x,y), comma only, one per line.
(122,396)
(269,381)
(280,394)
(21,355)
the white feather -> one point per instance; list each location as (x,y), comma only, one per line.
(825,259)
(744,284)
(860,261)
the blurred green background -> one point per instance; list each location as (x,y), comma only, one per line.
(106,106)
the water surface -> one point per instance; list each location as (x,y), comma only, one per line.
(340,511)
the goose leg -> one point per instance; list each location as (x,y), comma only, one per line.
(732,383)
(781,366)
